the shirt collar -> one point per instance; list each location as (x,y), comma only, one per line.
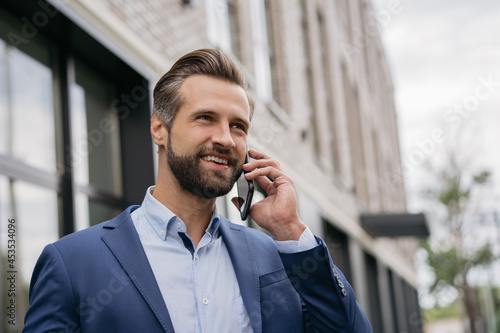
(159,216)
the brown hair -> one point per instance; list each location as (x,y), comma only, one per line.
(211,62)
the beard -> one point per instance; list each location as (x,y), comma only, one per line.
(204,184)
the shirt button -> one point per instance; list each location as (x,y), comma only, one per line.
(205,300)
(162,232)
(196,256)
(178,225)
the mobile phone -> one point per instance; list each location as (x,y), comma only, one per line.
(245,192)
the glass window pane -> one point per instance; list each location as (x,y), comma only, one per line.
(218,23)
(261,51)
(99,212)
(34,210)
(4,120)
(234,27)
(95,131)
(37,220)
(81,211)
(29,99)
(90,212)
(79,135)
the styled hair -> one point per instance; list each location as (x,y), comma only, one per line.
(210,62)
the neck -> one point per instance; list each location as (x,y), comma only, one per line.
(194,211)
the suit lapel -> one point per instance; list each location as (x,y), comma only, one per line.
(126,246)
(243,260)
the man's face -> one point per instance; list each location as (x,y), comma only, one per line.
(207,142)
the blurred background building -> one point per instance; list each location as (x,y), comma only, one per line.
(76,78)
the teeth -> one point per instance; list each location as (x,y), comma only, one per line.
(215,159)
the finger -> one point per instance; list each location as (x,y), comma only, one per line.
(257,155)
(261,164)
(267,171)
(263,182)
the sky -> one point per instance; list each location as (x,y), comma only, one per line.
(444,57)
(441,55)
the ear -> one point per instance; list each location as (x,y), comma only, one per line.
(158,130)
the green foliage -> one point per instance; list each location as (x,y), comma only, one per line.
(447,266)
(451,193)
(437,313)
(482,177)
(450,267)
(482,256)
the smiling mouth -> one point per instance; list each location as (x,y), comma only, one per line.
(215,159)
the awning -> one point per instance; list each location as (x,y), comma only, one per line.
(395,225)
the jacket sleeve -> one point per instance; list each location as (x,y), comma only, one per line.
(53,307)
(329,299)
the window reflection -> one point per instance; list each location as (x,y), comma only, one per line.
(218,25)
(95,132)
(27,105)
(81,211)
(100,212)
(35,212)
(91,212)
(4,120)
(261,50)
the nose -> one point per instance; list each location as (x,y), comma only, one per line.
(222,137)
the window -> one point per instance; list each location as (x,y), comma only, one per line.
(95,145)
(223,27)
(218,24)
(328,93)
(355,139)
(28,166)
(234,27)
(274,59)
(343,6)
(306,44)
(367,25)
(374,303)
(75,147)
(32,210)
(338,245)
(261,51)
(27,103)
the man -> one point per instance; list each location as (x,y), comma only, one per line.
(174,264)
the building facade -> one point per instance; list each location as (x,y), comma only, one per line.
(76,78)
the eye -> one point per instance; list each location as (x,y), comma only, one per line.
(239,127)
(204,117)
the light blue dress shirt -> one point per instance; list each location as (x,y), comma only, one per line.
(198,284)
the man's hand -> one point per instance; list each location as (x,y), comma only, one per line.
(277,213)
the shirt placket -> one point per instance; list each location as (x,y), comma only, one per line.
(201,295)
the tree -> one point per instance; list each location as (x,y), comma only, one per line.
(450,255)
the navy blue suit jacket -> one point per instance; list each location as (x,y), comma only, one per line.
(100,280)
